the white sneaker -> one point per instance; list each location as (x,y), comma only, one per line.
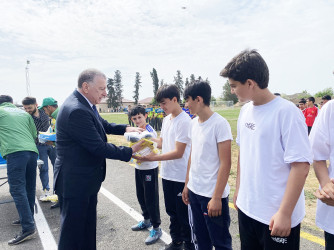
(45,195)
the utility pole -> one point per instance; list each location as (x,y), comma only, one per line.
(27,79)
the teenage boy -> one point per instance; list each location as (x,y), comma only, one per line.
(206,188)
(274,158)
(310,113)
(325,99)
(175,142)
(147,186)
(302,105)
(322,142)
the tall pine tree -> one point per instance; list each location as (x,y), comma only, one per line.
(192,78)
(137,85)
(155,80)
(112,98)
(186,82)
(162,82)
(179,82)
(118,87)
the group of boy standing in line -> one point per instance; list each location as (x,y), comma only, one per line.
(275,154)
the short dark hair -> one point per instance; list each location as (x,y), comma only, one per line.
(311,99)
(167,91)
(277,94)
(88,76)
(29,100)
(137,111)
(302,101)
(5,98)
(326,97)
(248,64)
(198,88)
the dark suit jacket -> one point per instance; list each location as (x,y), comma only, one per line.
(82,148)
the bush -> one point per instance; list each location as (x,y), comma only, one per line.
(326,91)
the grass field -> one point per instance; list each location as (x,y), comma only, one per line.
(232,116)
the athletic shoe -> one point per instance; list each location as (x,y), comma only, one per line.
(22,237)
(174,246)
(45,195)
(16,223)
(140,226)
(55,205)
(154,236)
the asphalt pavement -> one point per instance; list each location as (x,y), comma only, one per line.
(117,211)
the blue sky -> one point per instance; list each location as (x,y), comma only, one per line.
(62,38)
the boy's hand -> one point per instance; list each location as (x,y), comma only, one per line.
(134,129)
(324,199)
(185,195)
(235,196)
(328,190)
(215,207)
(280,225)
(136,147)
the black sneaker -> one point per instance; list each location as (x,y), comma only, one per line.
(16,223)
(55,205)
(174,246)
(22,237)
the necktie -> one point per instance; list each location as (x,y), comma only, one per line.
(95,111)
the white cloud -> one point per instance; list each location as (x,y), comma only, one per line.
(61,38)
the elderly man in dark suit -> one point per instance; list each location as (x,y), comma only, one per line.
(80,166)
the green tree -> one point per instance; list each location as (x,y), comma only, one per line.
(192,78)
(162,82)
(227,95)
(137,86)
(186,83)
(112,98)
(155,79)
(327,91)
(118,87)
(179,82)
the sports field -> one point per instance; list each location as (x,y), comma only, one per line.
(232,116)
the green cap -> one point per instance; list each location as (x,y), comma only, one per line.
(49,101)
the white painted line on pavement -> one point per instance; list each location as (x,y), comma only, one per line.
(44,231)
(133,213)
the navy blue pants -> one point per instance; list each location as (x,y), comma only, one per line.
(78,223)
(210,231)
(21,172)
(255,235)
(329,239)
(45,152)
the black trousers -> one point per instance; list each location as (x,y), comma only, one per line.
(78,223)
(147,188)
(329,241)
(177,211)
(255,235)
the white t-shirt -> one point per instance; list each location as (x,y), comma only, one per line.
(205,161)
(271,137)
(146,165)
(172,131)
(322,143)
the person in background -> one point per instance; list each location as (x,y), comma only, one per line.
(17,145)
(310,113)
(46,151)
(50,107)
(302,105)
(325,99)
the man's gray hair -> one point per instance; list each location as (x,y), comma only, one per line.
(88,76)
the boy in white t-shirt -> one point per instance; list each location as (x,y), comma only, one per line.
(147,185)
(206,188)
(274,158)
(175,143)
(322,143)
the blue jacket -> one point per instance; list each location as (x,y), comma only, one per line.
(82,148)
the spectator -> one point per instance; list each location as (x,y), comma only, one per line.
(325,99)
(310,113)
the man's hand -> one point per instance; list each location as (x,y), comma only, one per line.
(185,195)
(143,158)
(136,147)
(134,129)
(215,207)
(280,225)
